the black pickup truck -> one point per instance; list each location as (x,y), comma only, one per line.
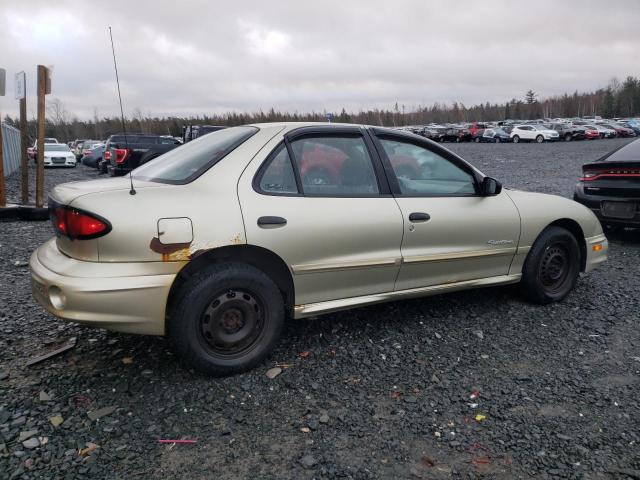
(123,153)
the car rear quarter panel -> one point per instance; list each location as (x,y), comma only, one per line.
(210,202)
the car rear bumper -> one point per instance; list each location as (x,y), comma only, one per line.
(594,203)
(124,297)
(66,163)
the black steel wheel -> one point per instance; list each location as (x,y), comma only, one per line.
(227,318)
(232,323)
(552,266)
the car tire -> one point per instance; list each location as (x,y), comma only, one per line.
(539,139)
(516,139)
(477,140)
(567,137)
(496,140)
(551,269)
(227,318)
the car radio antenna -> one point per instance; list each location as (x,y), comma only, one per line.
(124,128)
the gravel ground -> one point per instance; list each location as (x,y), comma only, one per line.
(477,384)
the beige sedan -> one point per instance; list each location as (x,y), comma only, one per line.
(216,242)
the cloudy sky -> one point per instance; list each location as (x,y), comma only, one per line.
(193,57)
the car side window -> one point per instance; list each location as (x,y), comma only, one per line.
(422,172)
(334,166)
(278,176)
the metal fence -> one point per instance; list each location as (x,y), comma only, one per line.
(11,151)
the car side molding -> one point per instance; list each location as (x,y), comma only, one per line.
(310,309)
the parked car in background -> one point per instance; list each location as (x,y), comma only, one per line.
(92,157)
(567,131)
(610,186)
(533,133)
(494,135)
(223,241)
(123,152)
(32,152)
(621,130)
(58,155)
(477,129)
(191,132)
(77,146)
(591,133)
(627,124)
(604,132)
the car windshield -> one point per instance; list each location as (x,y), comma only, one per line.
(540,127)
(58,147)
(187,162)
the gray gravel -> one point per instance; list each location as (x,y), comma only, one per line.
(475,384)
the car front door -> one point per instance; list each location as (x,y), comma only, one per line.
(320,201)
(451,232)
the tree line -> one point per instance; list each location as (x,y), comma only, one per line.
(617,99)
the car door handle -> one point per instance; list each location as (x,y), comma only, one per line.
(419,217)
(266,222)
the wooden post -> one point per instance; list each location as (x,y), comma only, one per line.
(3,198)
(24,165)
(3,194)
(42,87)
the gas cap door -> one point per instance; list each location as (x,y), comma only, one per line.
(175,230)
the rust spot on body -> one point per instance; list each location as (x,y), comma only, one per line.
(170,252)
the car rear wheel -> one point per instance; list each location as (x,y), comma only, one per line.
(516,139)
(227,319)
(567,137)
(539,139)
(496,140)
(477,139)
(551,269)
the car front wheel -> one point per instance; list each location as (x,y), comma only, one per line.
(551,269)
(227,319)
(539,139)
(516,139)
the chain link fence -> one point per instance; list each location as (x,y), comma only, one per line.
(11,150)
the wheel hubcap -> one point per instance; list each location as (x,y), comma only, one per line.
(554,267)
(232,322)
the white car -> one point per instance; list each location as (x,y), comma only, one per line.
(58,155)
(533,133)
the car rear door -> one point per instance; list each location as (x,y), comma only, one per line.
(319,199)
(451,233)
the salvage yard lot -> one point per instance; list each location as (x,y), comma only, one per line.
(464,385)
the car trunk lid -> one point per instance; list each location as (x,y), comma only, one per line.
(612,179)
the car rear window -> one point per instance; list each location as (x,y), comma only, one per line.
(629,153)
(187,162)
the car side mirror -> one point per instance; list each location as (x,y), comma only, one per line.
(490,186)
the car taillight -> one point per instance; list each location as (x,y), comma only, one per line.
(87,153)
(589,175)
(78,224)
(121,154)
(107,155)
